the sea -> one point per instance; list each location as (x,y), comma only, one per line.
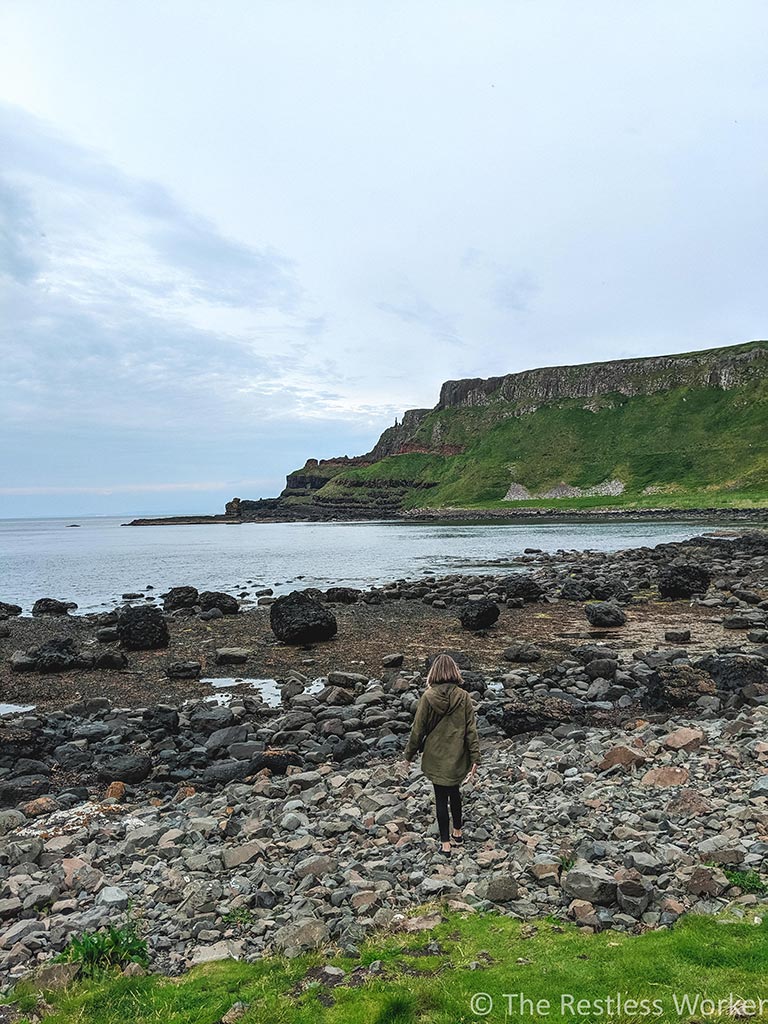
(94,561)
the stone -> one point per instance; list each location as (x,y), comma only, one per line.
(684,739)
(498,888)
(665,776)
(623,755)
(51,606)
(522,585)
(225,949)
(232,655)
(683,581)
(522,653)
(604,614)
(180,597)
(129,768)
(678,636)
(8,611)
(52,977)
(297,618)
(304,934)
(392,660)
(215,599)
(634,896)
(707,881)
(343,595)
(184,670)
(480,614)
(113,897)
(142,628)
(593,884)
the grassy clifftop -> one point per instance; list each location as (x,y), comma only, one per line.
(673,431)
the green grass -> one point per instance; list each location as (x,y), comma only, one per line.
(701,955)
(704,447)
(747,881)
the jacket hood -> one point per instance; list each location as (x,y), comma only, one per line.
(444,697)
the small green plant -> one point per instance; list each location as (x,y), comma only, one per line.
(747,881)
(98,952)
(567,864)
(239,917)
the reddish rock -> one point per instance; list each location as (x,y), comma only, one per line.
(684,739)
(623,755)
(665,776)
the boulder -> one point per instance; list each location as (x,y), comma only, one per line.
(128,768)
(180,597)
(297,618)
(50,606)
(184,670)
(142,629)
(523,586)
(594,884)
(232,655)
(343,595)
(8,611)
(56,655)
(479,614)
(634,896)
(298,936)
(604,614)
(682,581)
(215,599)
(522,653)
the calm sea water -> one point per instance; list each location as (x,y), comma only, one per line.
(97,563)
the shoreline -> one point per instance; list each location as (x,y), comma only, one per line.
(746,515)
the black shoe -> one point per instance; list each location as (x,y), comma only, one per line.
(458,840)
(445,853)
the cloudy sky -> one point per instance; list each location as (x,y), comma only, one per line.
(236,234)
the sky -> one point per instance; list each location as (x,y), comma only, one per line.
(236,234)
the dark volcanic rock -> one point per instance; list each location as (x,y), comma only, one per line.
(225,603)
(522,653)
(522,585)
(732,671)
(677,686)
(604,613)
(50,606)
(56,655)
(680,581)
(479,614)
(9,610)
(343,595)
(184,670)
(125,768)
(299,619)
(180,597)
(142,629)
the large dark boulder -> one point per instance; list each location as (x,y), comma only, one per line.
(479,614)
(604,613)
(125,768)
(7,611)
(225,603)
(299,619)
(677,686)
(142,629)
(180,597)
(734,671)
(576,590)
(522,585)
(56,655)
(681,581)
(50,606)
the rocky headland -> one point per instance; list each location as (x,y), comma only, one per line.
(622,701)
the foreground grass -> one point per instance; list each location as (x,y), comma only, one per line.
(420,983)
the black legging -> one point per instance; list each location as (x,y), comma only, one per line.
(442,795)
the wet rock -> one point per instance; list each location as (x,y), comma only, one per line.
(522,653)
(343,595)
(184,670)
(299,619)
(125,768)
(8,611)
(604,614)
(180,597)
(215,599)
(682,581)
(479,614)
(60,654)
(51,606)
(523,586)
(142,628)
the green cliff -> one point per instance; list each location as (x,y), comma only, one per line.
(682,431)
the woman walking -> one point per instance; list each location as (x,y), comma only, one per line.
(445,733)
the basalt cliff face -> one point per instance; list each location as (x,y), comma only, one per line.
(687,430)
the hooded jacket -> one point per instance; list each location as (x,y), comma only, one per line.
(452,746)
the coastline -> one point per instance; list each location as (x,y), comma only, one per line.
(478,515)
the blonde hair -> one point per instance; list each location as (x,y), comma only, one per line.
(444,670)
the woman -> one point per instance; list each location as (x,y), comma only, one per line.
(444,731)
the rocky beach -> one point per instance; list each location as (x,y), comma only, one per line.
(622,702)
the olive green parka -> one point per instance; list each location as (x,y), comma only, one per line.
(452,746)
